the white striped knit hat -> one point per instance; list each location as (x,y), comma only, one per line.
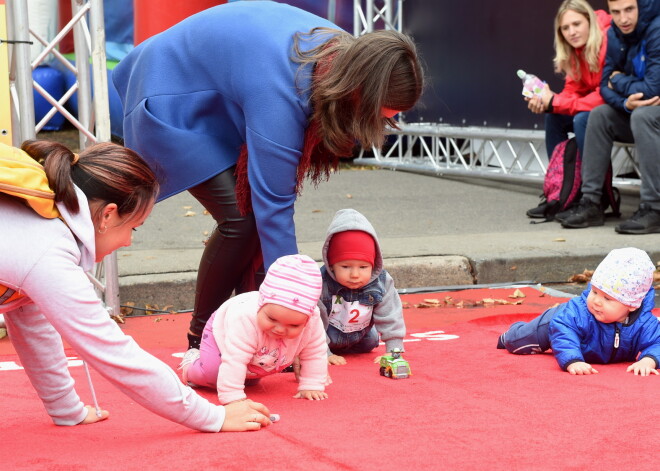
(292,281)
(626,275)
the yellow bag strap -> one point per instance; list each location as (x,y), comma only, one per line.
(22,176)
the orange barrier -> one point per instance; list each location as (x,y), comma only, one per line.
(153,16)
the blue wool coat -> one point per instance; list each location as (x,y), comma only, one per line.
(636,55)
(576,335)
(195,93)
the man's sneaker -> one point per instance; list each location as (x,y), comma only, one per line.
(561,216)
(188,359)
(646,220)
(585,214)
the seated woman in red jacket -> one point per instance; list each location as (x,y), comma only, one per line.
(580,46)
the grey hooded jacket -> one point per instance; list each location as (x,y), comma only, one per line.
(379,292)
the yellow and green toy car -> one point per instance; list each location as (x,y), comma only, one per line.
(394,366)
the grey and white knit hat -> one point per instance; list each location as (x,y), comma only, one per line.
(626,275)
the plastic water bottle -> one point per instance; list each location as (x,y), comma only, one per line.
(532,85)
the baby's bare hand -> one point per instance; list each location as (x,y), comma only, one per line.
(581,368)
(311,395)
(336,360)
(644,367)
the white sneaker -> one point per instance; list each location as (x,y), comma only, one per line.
(189,358)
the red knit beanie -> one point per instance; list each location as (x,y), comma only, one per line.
(351,245)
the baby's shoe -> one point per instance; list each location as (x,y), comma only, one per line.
(188,359)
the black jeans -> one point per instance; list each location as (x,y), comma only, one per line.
(227,262)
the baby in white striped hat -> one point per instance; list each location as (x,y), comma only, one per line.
(260,333)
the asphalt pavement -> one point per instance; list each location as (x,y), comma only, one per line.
(435,234)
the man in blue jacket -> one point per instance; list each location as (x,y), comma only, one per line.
(631,89)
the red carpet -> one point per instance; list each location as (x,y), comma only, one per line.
(467,406)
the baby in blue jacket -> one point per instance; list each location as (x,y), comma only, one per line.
(610,322)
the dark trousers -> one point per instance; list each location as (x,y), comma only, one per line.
(557,127)
(607,125)
(227,262)
(524,338)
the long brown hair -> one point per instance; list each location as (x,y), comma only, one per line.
(105,172)
(352,80)
(566,60)
(375,70)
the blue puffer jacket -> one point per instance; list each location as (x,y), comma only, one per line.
(636,55)
(576,335)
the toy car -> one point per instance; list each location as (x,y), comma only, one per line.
(394,366)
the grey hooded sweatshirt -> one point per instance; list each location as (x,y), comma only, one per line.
(387,314)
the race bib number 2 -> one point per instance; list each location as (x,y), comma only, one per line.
(349,316)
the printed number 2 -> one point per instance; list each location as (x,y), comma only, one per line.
(356,314)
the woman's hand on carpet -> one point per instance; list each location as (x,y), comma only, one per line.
(245,415)
(93,417)
(581,368)
(643,367)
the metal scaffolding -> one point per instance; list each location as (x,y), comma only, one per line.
(441,149)
(383,14)
(494,153)
(93,120)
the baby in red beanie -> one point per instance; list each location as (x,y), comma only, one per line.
(359,304)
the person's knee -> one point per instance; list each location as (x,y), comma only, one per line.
(237,226)
(580,120)
(600,115)
(645,119)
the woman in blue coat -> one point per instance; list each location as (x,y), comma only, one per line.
(238,104)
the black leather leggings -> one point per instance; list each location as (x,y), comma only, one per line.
(229,252)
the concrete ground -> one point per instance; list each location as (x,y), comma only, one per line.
(435,233)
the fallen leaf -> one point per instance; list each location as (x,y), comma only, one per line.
(349,196)
(151,309)
(189,214)
(187,207)
(206,212)
(517,294)
(583,277)
(496,301)
(127,308)
(432,301)
(316,210)
(513,268)
(424,305)
(559,239)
